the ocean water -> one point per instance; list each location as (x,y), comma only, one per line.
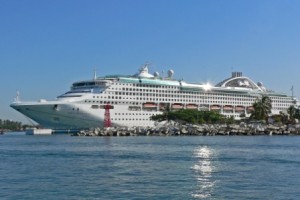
(65,167)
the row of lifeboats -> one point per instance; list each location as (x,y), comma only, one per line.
(176,106)
(173,106)
(232,108)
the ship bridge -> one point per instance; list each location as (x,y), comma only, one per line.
(82,87)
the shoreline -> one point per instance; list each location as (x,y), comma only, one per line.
(176,129)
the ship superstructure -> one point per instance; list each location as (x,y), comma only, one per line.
(133,99)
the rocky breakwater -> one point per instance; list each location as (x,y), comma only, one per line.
(177,129)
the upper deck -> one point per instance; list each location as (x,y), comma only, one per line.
(236,84)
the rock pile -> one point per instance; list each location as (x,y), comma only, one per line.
(177,129)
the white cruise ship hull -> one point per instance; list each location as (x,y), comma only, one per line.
(64,116)
(131,100)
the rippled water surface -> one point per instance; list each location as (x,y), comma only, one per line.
(65,167)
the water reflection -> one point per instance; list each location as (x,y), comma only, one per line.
(203,170)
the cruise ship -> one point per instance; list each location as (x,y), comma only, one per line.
(117,100)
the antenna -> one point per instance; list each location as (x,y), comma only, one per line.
(292,88)
(147,64)
(95,74)
(17,99)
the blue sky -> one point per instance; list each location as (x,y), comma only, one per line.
(45,45)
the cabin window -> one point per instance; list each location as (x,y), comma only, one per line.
(95,106)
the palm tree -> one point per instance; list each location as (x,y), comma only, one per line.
(291,111)
(262,108)
(297,112)
(165,116)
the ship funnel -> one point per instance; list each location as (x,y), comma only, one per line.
(236,74)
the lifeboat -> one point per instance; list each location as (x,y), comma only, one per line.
(134,108)
(227,108)
(239,109)
(177,106)
(250,109)
(163,106)
(149,105)
(192,106)
(204,107)
(215,107)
